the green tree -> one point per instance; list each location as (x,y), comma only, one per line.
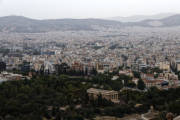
(136,74)
(141,85)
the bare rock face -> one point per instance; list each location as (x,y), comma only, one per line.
(155,23)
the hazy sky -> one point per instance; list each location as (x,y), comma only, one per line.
(43,9)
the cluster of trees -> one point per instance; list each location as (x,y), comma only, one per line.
(2,66)
(162,100)
(4,51)
(58,97)
(30,99)
(43,96)
(97,47)
(141,85)
(63,68)
(105,81)
(151,70)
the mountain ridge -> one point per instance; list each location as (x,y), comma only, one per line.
(22,24)
(138,18)
(170,21)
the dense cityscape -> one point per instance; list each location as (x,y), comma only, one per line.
(152,52)
(108,73)
(89,60)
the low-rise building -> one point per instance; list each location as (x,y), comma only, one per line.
(153,83)
(5,76)
(106,94)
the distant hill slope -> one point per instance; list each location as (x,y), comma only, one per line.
(23,24)
(26,25)
(166,22)
(138,18)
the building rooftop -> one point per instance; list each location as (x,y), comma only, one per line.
(100,91)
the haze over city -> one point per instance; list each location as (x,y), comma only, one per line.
(53,9)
